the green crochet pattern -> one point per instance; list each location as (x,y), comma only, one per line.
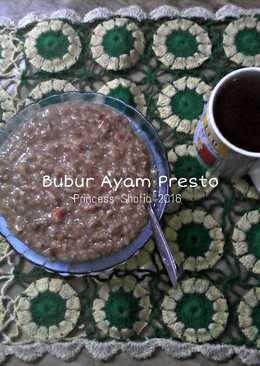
(121,309)
(118,41)
(124,94)
(188,167)
(248,42)
(253,239)
(166,69)
(195,311)
(47,309)
(52,45)
(187,104)
(256,316)
(194,239)
(181,43)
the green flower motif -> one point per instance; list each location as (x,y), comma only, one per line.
(122,308)
(181,103)
(118,41)
(241,41)
(249,315)
(196,311)
(127,91)
(117,44)
(184,164)
(181,44)
(245,240)
(48,88)
(48,309)
(52,46)
(196,239)
(247,189)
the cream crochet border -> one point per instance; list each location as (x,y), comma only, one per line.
(138,350)
(134,11)
(68,349)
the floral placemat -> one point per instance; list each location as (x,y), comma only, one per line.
(165,64)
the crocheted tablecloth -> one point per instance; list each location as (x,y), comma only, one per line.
(165,64)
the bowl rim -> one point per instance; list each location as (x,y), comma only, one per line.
(126,252)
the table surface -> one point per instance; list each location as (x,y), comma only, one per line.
(17,10)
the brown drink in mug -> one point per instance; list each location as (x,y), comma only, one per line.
(227,138)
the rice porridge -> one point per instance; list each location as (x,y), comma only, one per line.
(78,140)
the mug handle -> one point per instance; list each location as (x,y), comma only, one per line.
(254,173)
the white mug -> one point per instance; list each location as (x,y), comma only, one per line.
(214,151)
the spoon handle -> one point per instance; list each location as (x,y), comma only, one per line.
(162,246)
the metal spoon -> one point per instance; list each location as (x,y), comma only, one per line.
(162,246)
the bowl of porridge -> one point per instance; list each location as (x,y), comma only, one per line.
(77,172)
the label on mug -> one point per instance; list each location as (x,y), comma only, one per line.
(213,153)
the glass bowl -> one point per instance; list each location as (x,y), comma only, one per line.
(158,158)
